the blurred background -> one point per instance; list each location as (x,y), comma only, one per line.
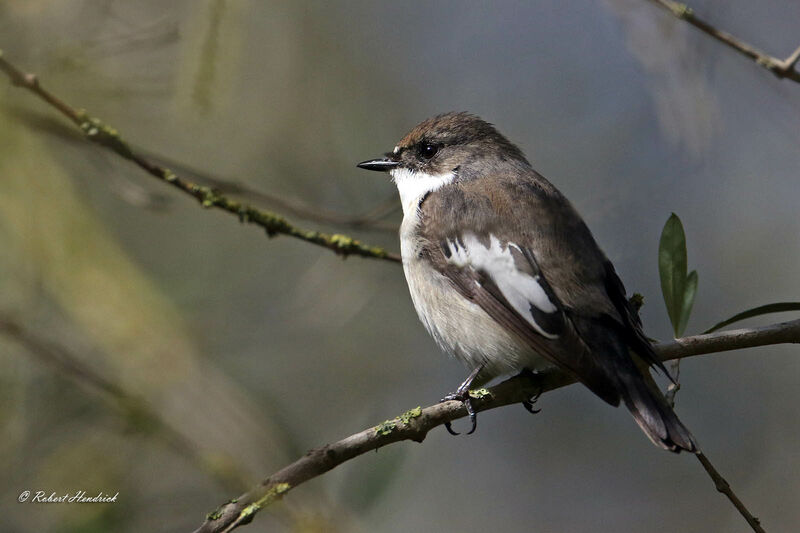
(176,356)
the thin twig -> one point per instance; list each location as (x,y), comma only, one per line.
(109,138)
(724,487)
(133,408)
(782,68)
(416,423)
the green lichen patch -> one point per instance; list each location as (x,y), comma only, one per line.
(247,514)
(479,393)
(342,241)
(681,10)
(272,494)
(406,417)
(216,514)
(386,427)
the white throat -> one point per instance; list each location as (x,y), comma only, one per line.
(412,186)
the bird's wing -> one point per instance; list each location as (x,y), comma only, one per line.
(492,248)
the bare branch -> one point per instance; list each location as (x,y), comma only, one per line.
(416,423)
(734,339)
(110,138)
(780,68)
(724,487)
(370,220)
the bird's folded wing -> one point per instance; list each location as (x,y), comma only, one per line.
(504,279)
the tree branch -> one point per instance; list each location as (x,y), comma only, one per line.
(110,138)
(416,423)
(780,68)
(724,487)
(370,220)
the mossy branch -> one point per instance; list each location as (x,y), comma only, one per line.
(416,423)
(109,138)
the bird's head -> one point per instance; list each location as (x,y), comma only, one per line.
(451,143)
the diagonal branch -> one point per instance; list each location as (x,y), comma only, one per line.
(416,423)
(110,138)
(371,220)
(782,68)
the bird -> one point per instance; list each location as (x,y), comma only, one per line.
(506,276)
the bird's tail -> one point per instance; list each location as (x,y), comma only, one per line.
(652,412)
(625,374)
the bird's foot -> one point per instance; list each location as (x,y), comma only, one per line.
(462,395)
(530,402)
(466,399)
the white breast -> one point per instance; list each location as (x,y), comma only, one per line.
(461,328)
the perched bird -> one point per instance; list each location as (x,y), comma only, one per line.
(506,276)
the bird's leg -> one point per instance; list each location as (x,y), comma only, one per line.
(529,403)
(462,395)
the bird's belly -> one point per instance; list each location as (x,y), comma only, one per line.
(461,328)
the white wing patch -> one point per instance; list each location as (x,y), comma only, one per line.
(412,186)
(519,288)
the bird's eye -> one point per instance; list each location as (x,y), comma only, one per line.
(428,150)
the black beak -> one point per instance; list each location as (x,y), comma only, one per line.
(380,165)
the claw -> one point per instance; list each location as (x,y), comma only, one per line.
(462,395)
(466,399)
(473,417)
(529,403)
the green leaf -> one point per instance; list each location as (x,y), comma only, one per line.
(780,307)
(678,288)
(688,301)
